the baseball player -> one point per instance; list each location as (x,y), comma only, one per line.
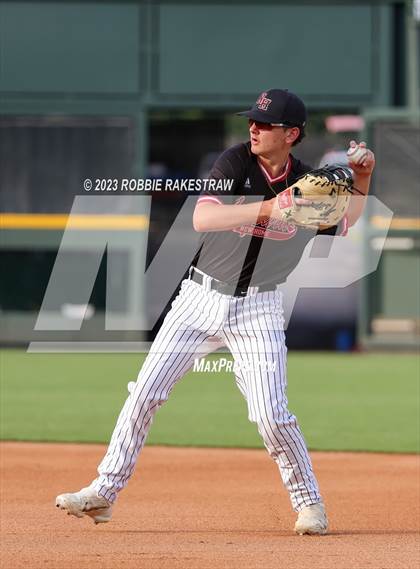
(231,298)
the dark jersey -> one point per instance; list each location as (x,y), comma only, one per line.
(252,254)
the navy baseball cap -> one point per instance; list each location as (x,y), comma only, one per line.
(278,106)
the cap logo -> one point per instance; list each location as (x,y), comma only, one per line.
(263,102)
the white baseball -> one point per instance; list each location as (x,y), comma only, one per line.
(357,154)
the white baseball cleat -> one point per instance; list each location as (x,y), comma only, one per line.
(86,502)
(312,520)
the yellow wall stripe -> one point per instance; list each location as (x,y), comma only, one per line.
(130,222)
(77,221)
(397,222)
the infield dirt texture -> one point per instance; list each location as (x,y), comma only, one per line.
(199,508)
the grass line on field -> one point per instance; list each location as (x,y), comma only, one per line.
(342,401)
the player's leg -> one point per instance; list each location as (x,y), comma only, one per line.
(283,440)
(194,317)
(256,340)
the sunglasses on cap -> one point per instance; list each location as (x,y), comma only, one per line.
(267,125)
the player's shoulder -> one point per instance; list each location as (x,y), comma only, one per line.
(238,152)
(232,162)
(299,168)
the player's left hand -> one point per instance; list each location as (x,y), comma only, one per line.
(364,167)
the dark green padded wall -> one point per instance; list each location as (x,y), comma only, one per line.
(331,54)
(57,47)
(399,301)
(314,50)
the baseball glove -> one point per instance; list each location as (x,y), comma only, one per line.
(326,192)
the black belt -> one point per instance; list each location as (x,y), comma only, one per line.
(226,288)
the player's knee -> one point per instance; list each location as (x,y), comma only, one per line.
(274,421)
(149,393)
(269,415)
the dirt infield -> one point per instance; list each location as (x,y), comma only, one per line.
(208,508)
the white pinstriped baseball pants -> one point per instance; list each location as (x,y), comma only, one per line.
(251,327)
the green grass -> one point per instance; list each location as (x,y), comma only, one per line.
(343,402)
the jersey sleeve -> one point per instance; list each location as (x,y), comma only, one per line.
(225,176)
